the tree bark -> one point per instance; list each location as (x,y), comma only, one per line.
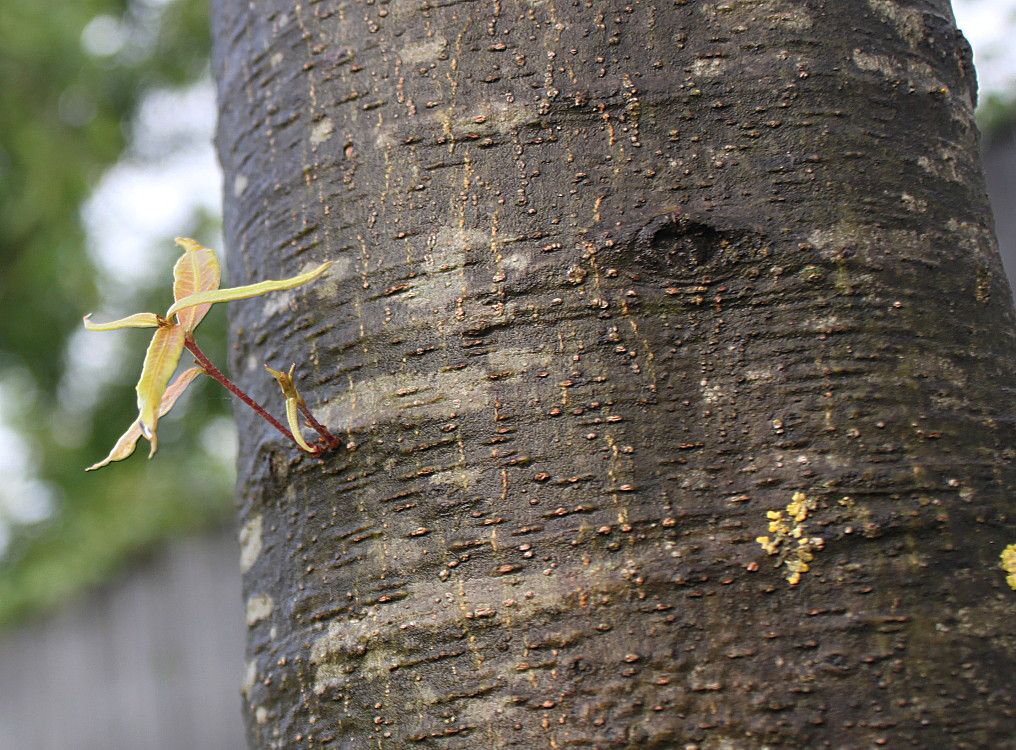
(675,357)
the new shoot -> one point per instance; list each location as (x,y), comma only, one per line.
(195,289)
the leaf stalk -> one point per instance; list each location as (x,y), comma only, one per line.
(327,442)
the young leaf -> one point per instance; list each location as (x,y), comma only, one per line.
(138,320)
(197,270)
(293,399)
(195,289)
(128,441)
(244,292)
(160,361)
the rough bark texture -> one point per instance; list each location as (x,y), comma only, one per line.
(620,289)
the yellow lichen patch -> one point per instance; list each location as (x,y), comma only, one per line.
(788,539)
(1009,565)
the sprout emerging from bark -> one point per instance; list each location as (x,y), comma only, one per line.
(195,289)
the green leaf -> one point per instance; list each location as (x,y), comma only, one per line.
(245,292)
(160,362)
(293,399)
(138,320)
(128,441)
(197,270)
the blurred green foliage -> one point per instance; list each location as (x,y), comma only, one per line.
(996,115)
(66,107)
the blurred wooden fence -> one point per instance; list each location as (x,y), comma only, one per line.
(153,661)
(1000,173)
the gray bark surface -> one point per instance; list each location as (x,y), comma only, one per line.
(621,288)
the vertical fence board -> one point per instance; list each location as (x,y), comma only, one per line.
(153,661)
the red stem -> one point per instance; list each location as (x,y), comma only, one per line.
(214,372)
(329,439)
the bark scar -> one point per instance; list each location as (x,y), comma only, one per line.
(680,245)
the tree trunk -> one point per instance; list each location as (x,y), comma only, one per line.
(675,358)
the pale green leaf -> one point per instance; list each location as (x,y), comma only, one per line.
(128,441)
(197,270)
(160,362)
(138,320)
(285,380)
(124,446)
(177,387)
(245,292)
